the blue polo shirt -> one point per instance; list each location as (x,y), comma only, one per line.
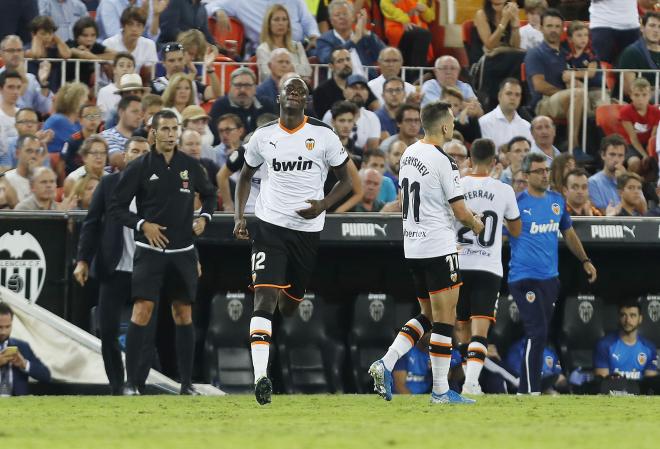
(545,60)
(417,364)
(387,123)
(602,191)
(629,361)
(514,357)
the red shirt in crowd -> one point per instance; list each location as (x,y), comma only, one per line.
(643,125)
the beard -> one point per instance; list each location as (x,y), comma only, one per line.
(358,101)
(345,73)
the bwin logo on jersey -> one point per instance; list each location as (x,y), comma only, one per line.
(585,311)
(22,264)
(298,165)
(235,309)
(544,228)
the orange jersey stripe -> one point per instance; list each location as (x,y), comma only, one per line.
(292,297)
(483,317)
(446,356)
(260,343)
(412,342)
(448,288)
(272,286)
(261,331)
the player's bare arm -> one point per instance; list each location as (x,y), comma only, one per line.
(466,217)
(514,227)
(242,194)
(340,190)
(575,246)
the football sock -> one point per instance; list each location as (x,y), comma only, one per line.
(134,342)
(476,356)
(408,337)
(463,350)
(261,328)
(440,352)
(185,350)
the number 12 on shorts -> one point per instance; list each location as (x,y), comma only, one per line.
(258,260)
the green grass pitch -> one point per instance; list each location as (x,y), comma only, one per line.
(315,422)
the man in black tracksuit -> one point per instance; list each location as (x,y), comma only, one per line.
(164,183)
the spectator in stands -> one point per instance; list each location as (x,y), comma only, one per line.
(64,122)
(614,25)
(183,15)
(559,168)
(108,96)
(194,50)
(179,94)
(11,84)
(626,354)
(406,27)
(576,193)
(151,104)
(64,13)
(279,64)
(71,158)
(393,96)
(394,153)
(130,118)
(241,100)
(446,73)
(498,28)
(43,186)
(46,44)
(457,150)
(517,149)
(367,128)
(503,123)
(602,185)
(27,122)
(82,192)
(552,377)
(16,17)
(644,6)
(376,159)
(130,38)
(19,364)
(410,125)
(37,94)
(349,32)
(190,143)
(644,53)
(231,132)
(390,62)
(629,186)
(195,117)
(30,155)
(371,179)
(640,121)
(174,63)
(343,117)
(466,114)
(519,182)
(8,198)
(543,134)
(530,34)
(582,59)
(129,86)
(109,15)
(331,90)
(94,154)
(84,46)
(276,33)
(251,15)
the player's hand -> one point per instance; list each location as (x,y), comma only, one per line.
(5,358)
(240,230)
(152,232)
(315,209)
(478,225)
(160,6)
(19,362)
(199,225)
(81,273)
(591,271)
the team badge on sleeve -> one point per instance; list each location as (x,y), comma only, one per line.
(641,358)
(530,296)
(556,209)
(309,144)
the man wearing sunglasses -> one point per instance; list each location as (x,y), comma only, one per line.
(533,269)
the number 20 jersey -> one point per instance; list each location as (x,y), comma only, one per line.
(430,182)
(496,201)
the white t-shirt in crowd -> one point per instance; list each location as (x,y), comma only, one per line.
(20,184)
(107,100)
(376,86)
(7,131)
(368,126)
(530,37)
(144,52)
(616,14)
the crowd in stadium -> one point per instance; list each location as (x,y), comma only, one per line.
(81,80)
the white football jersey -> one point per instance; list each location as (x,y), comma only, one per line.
(298,161)
(429,181)
(496,201)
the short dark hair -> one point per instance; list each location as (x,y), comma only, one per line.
(81,24)
(134,139)
(394,79)
(85,106)
(575,172)
(433,113)
(25,137)
(132,14)
(86,146)
(509,80)
(624,178)
(233,117)
(127,100)
(575,25)
(401,110)
(529,159)
(613,140)
(376,152)
(482,151)
(332,53)
(164,114)
(42,23)
(551,12)
(343,107)
(629,303)
(122,55)
(649,15)
(5,309)
(9,74)
(516,139)
(20,111)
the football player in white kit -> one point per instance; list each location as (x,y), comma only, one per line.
(290,209)
(480,258)
(431,196)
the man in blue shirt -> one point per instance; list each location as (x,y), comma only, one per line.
(551,372)
(625,353)
(602,185)
(533,269)
(548,77)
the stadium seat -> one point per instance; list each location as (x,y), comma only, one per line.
(607,119)
(610,77)
(225,80)
(237,33)
(650,327)
(581,329)
(372,332)
(311,362)
(227,348)
(507,327)
(610,317)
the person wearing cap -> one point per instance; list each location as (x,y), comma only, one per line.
(242,100)
(279,64)
(130,119)
(367,128)
(174,62)
(194,117)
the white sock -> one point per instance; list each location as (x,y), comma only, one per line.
(440,352)
(408,337)
(260,336)
(476,356)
